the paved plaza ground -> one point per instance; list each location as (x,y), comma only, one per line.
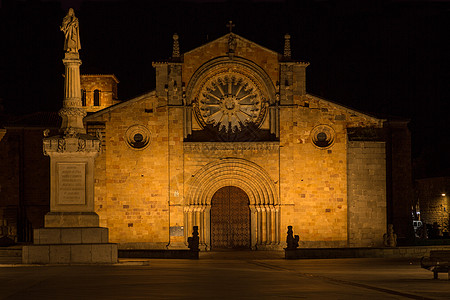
(227,275)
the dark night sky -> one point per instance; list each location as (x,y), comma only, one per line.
(382,57)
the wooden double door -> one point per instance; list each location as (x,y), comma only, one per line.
(230,219)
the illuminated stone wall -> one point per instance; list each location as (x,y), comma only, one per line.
(151,197)
(366,163)
(263,57)
(106,84)
(313,182)
(132,190)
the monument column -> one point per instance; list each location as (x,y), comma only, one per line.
(72,233)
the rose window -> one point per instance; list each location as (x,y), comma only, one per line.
(230,102)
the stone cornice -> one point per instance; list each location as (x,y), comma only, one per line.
(100,75)
(65,144)
(240,146)
(300,63)
(168,62)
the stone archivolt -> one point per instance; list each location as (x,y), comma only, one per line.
(244,174)
(254,181)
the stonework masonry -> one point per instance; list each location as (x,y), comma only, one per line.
(366,193)
(151,197)
(161,162)
(107,88)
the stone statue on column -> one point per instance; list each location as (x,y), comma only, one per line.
(71,32)
(72,113)
(71,233)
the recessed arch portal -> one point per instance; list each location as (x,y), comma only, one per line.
(248,176)
(253,180)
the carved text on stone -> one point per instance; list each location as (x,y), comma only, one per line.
(71,183)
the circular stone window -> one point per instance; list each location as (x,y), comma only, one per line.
(229,99)
(323,136)
(137,137)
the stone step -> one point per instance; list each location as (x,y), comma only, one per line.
(158,253)
(105,253)
(79,235)
(8,252)
(10,260)
(11,255)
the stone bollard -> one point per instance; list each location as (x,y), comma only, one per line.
(390,238)
(193,241)
(291,240)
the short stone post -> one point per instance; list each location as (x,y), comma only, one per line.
(291,240)
(193,241)
(390,238)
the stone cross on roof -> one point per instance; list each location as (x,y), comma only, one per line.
(287,46)
(176,46)
(230,25)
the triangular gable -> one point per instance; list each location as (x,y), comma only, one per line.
(120,105)
(350,111)
(226,37)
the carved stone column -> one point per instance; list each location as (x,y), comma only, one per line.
(265,226)
(72,113)
(199,215)
(207,227)
(253,227)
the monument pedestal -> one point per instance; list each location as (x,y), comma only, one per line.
(72,234)
(65,245)
(71,219)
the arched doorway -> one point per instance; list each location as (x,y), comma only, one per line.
(254,181)
(230,219)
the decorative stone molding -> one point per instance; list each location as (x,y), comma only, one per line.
(176,47)
(323,136)
(81,145)
(203,147)
(221,64)
(61,146)
(230,100)
(246,175)
(69,145)
(137,137)
(72,111)
(287,46)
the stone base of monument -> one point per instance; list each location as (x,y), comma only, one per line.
(83,245)
(159,253)
(71,219)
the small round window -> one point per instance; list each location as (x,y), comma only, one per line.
(322,136)
(137,137)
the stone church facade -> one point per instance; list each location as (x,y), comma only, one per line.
(230,141)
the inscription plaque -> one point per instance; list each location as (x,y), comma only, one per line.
(72,183)
(176,231)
